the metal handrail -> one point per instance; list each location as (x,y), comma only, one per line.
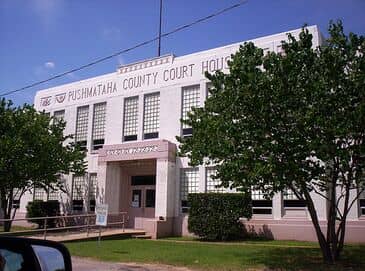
(45,218)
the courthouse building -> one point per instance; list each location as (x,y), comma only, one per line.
(127,121)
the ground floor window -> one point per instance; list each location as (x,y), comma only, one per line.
(39,194)
(291,200)
(362,203)
(261,204)
(92,191)
(189,183)
(212,184)
(78,186)
(16,198)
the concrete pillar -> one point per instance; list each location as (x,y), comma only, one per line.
(112,187)
(165,188)
(277,206)
(202,180)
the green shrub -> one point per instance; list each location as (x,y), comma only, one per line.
(39,208)
(214,216)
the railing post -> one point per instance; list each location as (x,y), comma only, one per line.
(123,221)
(45,229)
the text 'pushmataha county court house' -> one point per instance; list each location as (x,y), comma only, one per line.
(128,120)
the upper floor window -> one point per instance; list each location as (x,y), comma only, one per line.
(130,120)
(189,183)
(82,120)
(291,200)
(98,133)
(213,183)
(151,120)
(190,99)
(59,115)
(261,204)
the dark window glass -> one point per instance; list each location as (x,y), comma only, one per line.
(150,135)
(144,180)
(77,205)
(130,138)
(262,203)
(262,211)
(150,198)
(92,205)
(187,132)
(184,206)
(294,203)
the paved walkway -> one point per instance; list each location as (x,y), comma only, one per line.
(82,264)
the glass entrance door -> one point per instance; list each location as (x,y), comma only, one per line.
(142,200)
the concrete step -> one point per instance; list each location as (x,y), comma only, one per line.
(142,236)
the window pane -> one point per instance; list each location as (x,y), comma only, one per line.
(39,194)
(98,125)
(150,198)
(189,183)
(151,121)
(190,99)
(92,191)
(78,193)
(130,121)
(82,125)
(213,183)
(59,115)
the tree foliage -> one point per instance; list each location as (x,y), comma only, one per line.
(33,153)
(294,120)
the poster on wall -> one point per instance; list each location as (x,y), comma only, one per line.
(101,211)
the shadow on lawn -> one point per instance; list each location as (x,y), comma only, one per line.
(291,258)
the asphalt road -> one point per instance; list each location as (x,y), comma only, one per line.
(82,264)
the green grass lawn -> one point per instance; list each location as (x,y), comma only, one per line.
(279,255)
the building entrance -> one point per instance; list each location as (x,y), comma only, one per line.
(142,200)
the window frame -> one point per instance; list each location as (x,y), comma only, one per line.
(152,131)
(194,101)
(98,132)
(81,130)
(130,137)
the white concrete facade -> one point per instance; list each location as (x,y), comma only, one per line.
(119,161)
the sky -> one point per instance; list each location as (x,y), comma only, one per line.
(42,38)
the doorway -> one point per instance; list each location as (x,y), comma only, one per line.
(142,200)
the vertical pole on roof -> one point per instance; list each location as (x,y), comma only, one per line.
(159,31)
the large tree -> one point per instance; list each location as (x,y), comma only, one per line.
(34,152)
(294,120)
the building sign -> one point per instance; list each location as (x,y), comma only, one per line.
(133,150)
(101,211)
(139,79)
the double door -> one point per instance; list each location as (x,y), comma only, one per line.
(142,200)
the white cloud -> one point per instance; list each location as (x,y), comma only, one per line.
(49,65)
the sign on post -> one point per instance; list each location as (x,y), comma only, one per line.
(101,211)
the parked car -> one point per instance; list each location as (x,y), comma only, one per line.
(26,254)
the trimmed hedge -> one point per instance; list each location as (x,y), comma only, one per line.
(215,216)
(40,208)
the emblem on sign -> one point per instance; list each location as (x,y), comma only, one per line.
(46,101)
(60,97)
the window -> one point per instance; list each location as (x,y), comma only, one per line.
(260,203)
(212,184)
(81,126)
(190,99)
(150,198)
(58,116)
(98,126)
(52,194)
(16,198)
(78,193)
(189,183)
(151,121)
(209,85)
(291,201)
(93,180)
(362,202)
(39,194)
(130,121)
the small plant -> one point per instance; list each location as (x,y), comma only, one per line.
(40,208)
(214,216)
